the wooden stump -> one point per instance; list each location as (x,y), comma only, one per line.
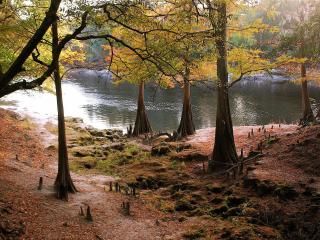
(89,216)
(133,190)
(81,211)
(126,208)
(40,183)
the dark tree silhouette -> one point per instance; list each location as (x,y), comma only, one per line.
(142,124)
(224,153)
(307,115)
(186,126)
(63,183)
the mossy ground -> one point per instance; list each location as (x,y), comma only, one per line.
(163,183)
(184,192)
(112,163)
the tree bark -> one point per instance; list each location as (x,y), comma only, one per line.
(307,115)
(142,124)
(63,182)
(224,153)
(17,65)
(186,126)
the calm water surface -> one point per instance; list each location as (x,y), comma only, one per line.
(104,105)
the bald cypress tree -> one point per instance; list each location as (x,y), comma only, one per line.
(142,124)
(224,153)
(186,126)
(63,182)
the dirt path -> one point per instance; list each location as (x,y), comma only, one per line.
(44,217)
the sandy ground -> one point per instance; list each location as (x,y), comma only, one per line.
(275,165)
(204,138)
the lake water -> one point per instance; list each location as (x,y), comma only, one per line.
(104,105)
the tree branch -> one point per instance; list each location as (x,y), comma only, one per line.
(35,57)
(51,67)
(16,66)
(245,73)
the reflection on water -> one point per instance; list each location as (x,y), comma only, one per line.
(104,105)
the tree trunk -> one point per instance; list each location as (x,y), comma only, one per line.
(186,126)
(307,110)
(142,124)
(224,153)
(63,183)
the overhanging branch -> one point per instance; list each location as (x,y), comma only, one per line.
(50,67)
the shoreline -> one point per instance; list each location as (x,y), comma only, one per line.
(86,144)
(201,142)
(50,120)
